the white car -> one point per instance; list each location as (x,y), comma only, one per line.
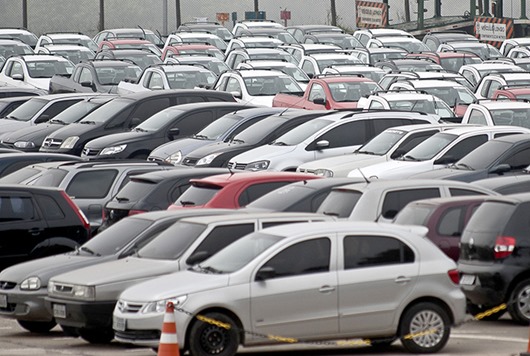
(409,44)
(365,70)
(252,42)
(498,112)
(390,144)
(490,83)
(314,64)
(74,53)
(288,68)
(66,39)
(435,152)
(195,38)
(256,87)
(327,136)
(475,72)
(310,281)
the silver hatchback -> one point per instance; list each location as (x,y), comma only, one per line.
(310,281)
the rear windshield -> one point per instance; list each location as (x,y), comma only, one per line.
(414,215)
(282,198)
(20,176)
(489,217)
(135,190)
(340,203)
(197,195)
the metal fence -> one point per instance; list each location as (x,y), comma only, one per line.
(88,16)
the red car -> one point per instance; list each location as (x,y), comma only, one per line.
(446,218)
(512,93)
(192,50)
(129,44)
(234,190)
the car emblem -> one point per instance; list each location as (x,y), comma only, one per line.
(471,242)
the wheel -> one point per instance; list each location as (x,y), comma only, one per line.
(478,309)
(97,336)
(424,328)
(70,331)
(37,326)
(519,305)
(208,339)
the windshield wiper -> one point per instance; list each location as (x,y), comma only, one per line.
(411,158)
(463,165)
(88,122)
(139,129)
(200,136)
(368,153)
(57,121)
(209,269)
(120,199)
(186,202)
(237,140)
(86,249)
(279,143)
(11,117)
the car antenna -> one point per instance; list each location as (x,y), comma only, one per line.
(291,106)
(230,170)
(364,177)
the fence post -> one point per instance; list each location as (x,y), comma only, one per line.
(473,8)
(333,13)
(177,9)
(25,13)
(486,8)
(437,8)
(101,25)
(523,10)
(421,6)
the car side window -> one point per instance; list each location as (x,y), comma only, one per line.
(431,44)
(150,107)
(395,201)
(288,263)
(155,81)
(317,91)
(233,85)
(376,105)
(470,77)
(348,134)
(16,69)
(451,222)
(494,85)
(194,122)
(458,192)
(16,208)
(308,67)
(465,146)
(371,251)
(518,160)
(49,208)
(255,191)
(95,184)
(222,236)
(477,117)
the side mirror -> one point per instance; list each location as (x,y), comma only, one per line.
(18,77)
(86,84)
(173,132)
(135,121)
(445,160)
(500,169)
(237,94)
(265,273)
(319,101)
(197,257)
(390,214)
(42,118)
(322,144)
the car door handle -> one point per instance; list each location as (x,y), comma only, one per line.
(326,289)
(402,279)
(35,231)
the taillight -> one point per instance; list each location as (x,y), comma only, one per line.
(454,276)
(103,215)
(78,212)
(504,246)
(134,212)
(327,105)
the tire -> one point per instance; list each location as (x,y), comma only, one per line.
(70,331)
(519,303)
(477,309)
(40,327)
(428,319)
(97,336)
(207,339)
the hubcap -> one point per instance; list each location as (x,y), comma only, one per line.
(213,340)
(523,302)
(427,328)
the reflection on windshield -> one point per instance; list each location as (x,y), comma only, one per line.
(431,146)
(382,143)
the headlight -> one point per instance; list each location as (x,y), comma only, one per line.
(207,159)
(24,144)
(31,283)
(112,150)
(70,142)
(324,173)
(257,166)
(175,158)
(160,306)
(84,292)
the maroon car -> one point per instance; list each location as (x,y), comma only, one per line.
(445,218)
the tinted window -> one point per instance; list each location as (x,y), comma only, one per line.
(150,107)
(49,207)
(255,191)
(457,192)
(197,195)
(50,178)
(95,184)
(135,190)
(477,117)
(222,236)
(395,201)
(281,198)
(340,203)
(383,142)
(55,109)
(256,132)
(411,142)
(13,208)
(484,156)
(369,251)
(115,109)
(413,215)
(316,253)
(349,134)
(490,217)
(518,160)
(27,110)
(451,222)
(465,146)
(192,123)
(302,132)
(170,244)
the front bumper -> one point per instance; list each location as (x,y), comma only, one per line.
(81,314)
(25,305)
(140,329)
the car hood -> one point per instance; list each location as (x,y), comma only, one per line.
(47,267)
(173,285)
(126,269)
(185,145)
(353,160)
(218,147)
(75,129)
(392,169)
(263,152)
(12,125)
(32,133)
(117,139)
(453,174)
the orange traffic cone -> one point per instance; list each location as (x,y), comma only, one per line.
(169,345)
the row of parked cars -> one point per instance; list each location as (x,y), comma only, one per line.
(270,205)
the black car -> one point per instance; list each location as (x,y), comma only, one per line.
(10,103)
(263,132)
(152,191)
(506,155)
(167,125)
(303,197)
(30,139)
(37,222)
(494,259)
(122,114)
(519,183)
(11,162)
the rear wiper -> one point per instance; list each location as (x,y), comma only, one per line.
(186,202)
(237,140)
(86,249)
(120,199)
(88,122)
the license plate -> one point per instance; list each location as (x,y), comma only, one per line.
(3,301)
(59,311)
(467,279)
(119,324)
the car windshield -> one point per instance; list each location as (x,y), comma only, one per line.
(47,69)
(197,194)
(452,95)
(259,130)
(190,79)
(453,64)
(218,127)
(75,112)
(351,91)
(345,42)
(27,110)
(430,106)
(20,175)
(282,198)
(420,67)
(114,75)
(9,50)
(208,51)
(340,203)
(107,111)
(49,178)
(414,215)
(223,33)
(143,60)
(483,50)
(271,85)
(515,117)
(382,143)
(324,63)
(430,147)
(113,239)
(485,155)
(409,46)
(159,120)
(301,132)
(75,56)
(239,253)
(172,242)
(280,55)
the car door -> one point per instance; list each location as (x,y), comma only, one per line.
(378,273)
(21,227)
(189,124)
(341,139)
(300,297)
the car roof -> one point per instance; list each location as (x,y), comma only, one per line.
(432,82)
(66,47)
(213,219)
(343,78)
(483,129)
(383,184)
(503,104)
(184,171)
(71,165)
(42,57)
(234,178)
(65,96)
(511,198)
(65,35)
